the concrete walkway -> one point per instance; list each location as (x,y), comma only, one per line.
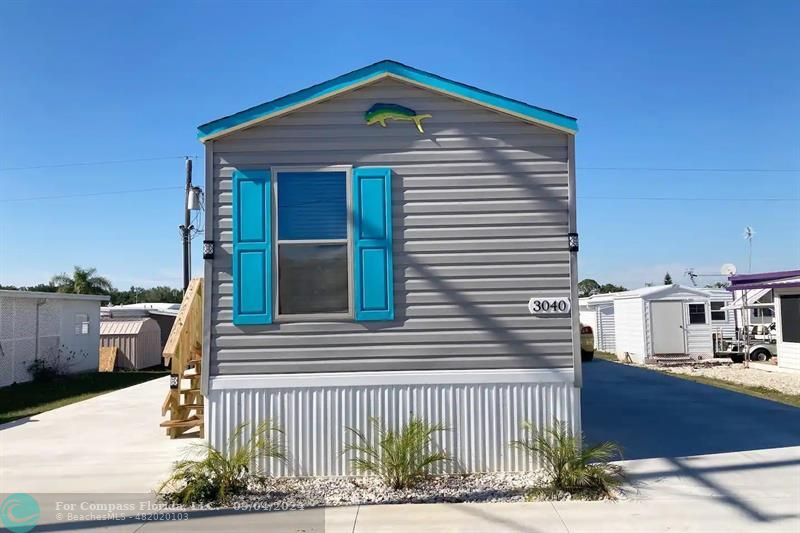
(109,443)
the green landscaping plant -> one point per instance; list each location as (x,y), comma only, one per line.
(400,458)
(571,467)
(217,476)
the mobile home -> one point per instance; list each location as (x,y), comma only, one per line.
(597,312)
(374,247)
(63,330)
(663,320)
(785,289)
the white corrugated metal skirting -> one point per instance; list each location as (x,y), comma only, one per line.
(483,419)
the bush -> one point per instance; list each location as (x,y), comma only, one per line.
(400,458)
(218,476)
(582,471)
(43,370)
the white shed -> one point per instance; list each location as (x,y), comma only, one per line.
(597,312)
(663,320)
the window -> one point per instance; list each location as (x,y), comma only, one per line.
(81,324)
(697,313)
(763,312)
(717,314)
(313,243)
(790,318)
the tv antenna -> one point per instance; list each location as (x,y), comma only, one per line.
(748,236)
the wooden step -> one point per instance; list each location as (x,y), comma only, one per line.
(190,422)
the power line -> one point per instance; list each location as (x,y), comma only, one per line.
(690,169)
(82,195)
(91,163)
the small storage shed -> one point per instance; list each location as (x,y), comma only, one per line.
(663,320)
(138,341)
(785,287)
(597,312)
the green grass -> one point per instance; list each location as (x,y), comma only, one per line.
(27,399)
(750,390)
(605,356)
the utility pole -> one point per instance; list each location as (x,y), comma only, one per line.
(186,228)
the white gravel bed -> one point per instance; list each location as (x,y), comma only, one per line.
(788,383)
(295,493)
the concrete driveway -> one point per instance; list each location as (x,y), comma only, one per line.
(107,444)
(656,415)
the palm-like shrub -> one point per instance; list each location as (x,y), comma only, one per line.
(400,458)
(570,466)
(216,476)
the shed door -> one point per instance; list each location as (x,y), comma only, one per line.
(666,324)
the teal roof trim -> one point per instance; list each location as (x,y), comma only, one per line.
(361,75)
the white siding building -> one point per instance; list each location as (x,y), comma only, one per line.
(597,312)
(663,320)
(63,329)
(785,288)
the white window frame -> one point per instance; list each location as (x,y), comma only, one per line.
(705,321)
(711,308)
(81,325)
(310,317)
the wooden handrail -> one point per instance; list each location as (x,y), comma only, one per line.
(182,353)
(187,331)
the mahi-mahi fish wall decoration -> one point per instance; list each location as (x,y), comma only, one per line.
(380,113)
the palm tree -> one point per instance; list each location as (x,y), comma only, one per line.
(82,281)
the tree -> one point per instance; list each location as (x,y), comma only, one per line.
(718,285)
(82,281)
(667,279)
(610,287)
(588,287)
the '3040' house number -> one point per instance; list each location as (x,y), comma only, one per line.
(549,306)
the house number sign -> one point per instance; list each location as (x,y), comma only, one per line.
(549,306)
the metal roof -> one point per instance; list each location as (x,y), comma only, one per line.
(375,72)
(765,280)
(54,295)
(660,290)
(122,327)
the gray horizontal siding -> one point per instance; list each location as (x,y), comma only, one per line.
(480,215)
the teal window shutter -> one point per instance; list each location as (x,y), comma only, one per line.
(372,244)
(252,247)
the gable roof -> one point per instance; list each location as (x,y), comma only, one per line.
(372,73)
(659,291)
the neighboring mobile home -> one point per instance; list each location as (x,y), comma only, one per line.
(60,329)
(373,244)
(785,287)
(722,320)
(597,312)
(663,320)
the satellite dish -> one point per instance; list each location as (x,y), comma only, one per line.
(728,269)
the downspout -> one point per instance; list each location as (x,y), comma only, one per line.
(39,303)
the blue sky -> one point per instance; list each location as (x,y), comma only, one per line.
(653,84)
